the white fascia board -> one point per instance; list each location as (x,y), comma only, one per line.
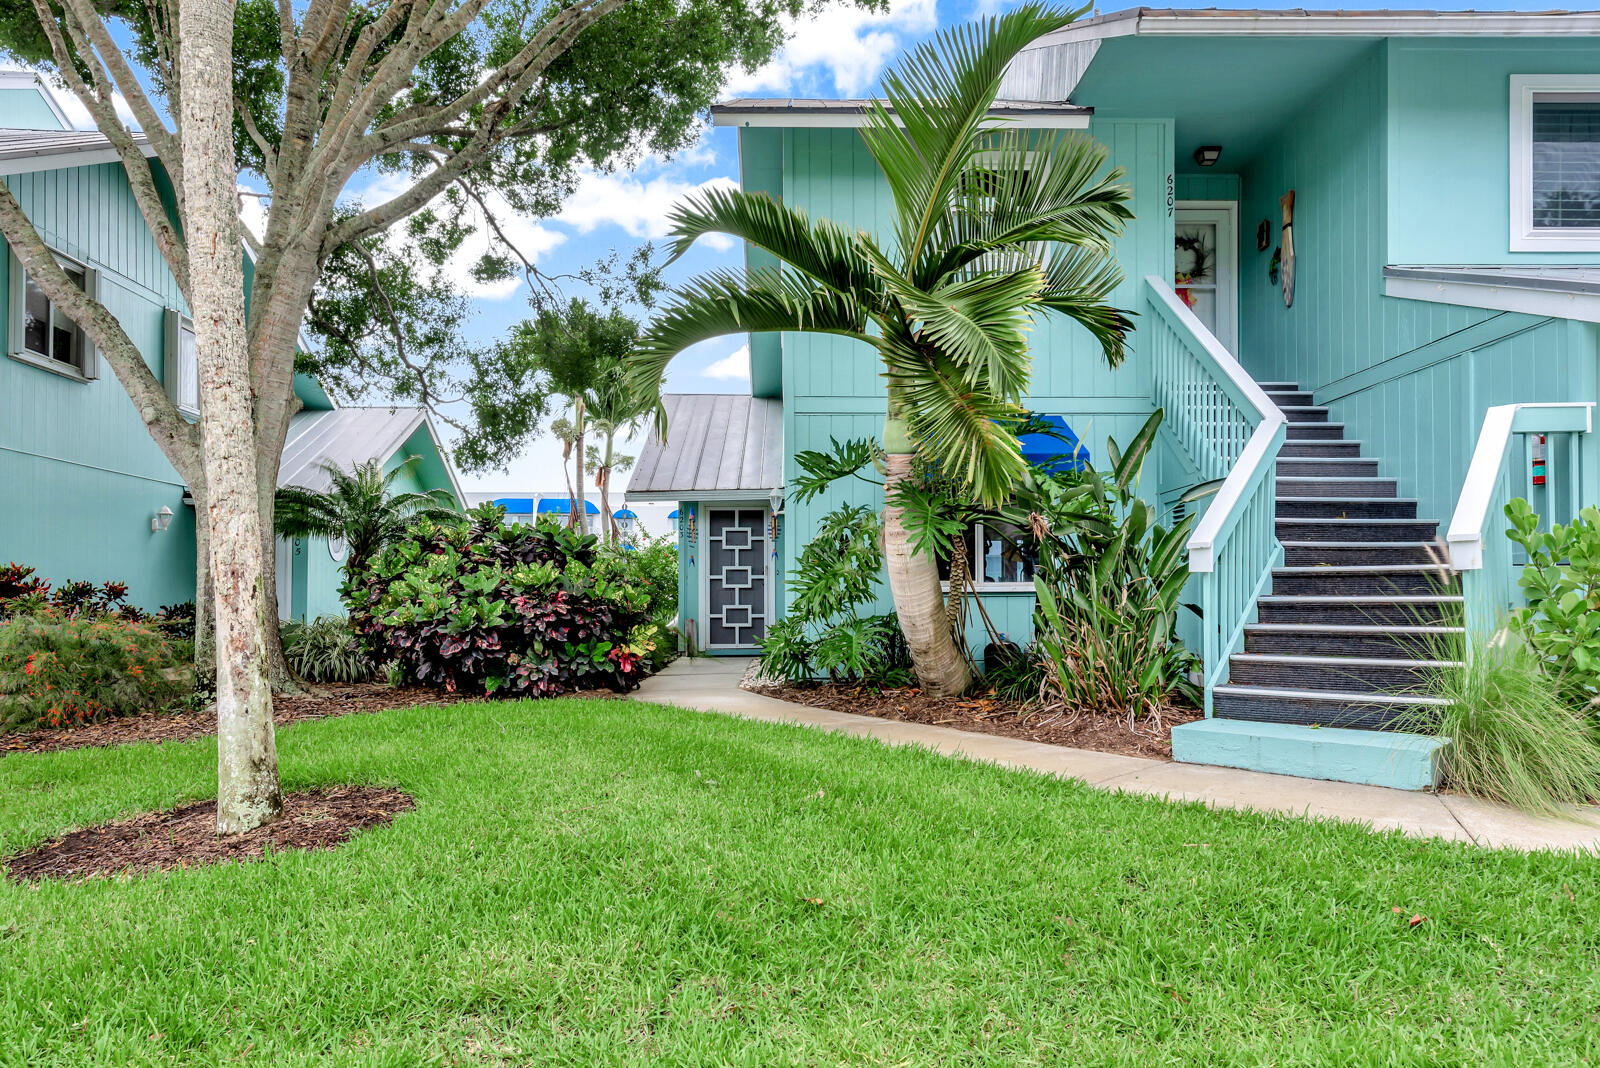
(705,496)
(1584,307)
(56,161)
(1286,24)
(846,120)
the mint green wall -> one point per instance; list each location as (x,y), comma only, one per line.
(25,109)
(1208,186)
(1448,143)
(79,476)
(832,387)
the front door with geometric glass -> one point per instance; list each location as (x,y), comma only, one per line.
(736,577)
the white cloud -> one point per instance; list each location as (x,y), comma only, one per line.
(735,365)
(851,44)
(640,207)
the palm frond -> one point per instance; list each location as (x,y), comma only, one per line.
(1078,284)
(981,324)
(725,302)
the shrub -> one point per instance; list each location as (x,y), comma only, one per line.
(474,605)
(326,650)
(651,566)
(177,620)
(1513,738)
(1561,620)
(58,670)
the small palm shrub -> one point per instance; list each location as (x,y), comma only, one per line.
(58,670)
(472,605)
(1513,738)
(326,650)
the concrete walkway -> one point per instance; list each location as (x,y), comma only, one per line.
(711,684)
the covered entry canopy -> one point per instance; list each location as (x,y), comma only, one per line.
(719,446)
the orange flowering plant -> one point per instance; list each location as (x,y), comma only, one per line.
(58,670)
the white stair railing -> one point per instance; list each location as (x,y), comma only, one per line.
(1231,430)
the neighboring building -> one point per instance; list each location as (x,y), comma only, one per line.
(526,507)
(1443,174)
(87,493)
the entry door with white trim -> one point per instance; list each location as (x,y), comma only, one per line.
(1206,265)
(738,587)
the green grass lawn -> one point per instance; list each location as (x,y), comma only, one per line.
(609,882)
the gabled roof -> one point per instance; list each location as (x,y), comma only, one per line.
(719,446)
(347,437)
(25,80)
(1298,22)
(23,151)
(796,112)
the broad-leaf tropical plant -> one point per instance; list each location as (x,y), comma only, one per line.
(991,227)
(360,506)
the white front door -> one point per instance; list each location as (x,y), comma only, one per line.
(1206,265)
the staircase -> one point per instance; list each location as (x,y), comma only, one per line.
(1361,613)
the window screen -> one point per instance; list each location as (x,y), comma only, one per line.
(1566,161)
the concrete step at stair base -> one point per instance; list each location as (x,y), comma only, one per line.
(1421,611)
(1326,467)
(1345,529)
(1315,431)
(1346,508)
(1334,673)
(1336,553)
(1391,641)
(1398,761)
(1339,485)
(1371,580)
(1322,708)
(1297,413)
(1305,449)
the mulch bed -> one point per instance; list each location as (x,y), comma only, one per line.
(320,702)
(1101,731)
(186,837)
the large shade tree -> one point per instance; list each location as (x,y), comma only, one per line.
(992,227)
(495,104)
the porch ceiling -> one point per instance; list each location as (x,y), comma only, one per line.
(1229,91)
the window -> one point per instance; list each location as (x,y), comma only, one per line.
(41,333)
(999,556)
(1555,162)
(181,371)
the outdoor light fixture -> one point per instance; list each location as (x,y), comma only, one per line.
(775,498)
(1207,155)
(161,520)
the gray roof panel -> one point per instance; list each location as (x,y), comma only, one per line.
(717,443)
(344,437)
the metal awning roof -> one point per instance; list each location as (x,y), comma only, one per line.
(1559,290)
(719,446)
(346,437)
(22,151)
(814,112)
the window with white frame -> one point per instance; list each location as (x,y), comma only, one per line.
(41,333)
(1555,162)
(181,370)
(1000,556)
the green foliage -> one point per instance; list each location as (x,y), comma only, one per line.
(819,470)
(326,650)
(786,651)
(1513,737)
(1561,620)
(359,506)
(948,297)
(837,571)
(1108,585)
(650,565)
(472,605)
(60,670)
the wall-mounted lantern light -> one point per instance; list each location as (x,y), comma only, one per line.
(1207,155)
(775,498)
(161,520)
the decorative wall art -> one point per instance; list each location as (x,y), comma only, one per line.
(1286,267)
(1264,235)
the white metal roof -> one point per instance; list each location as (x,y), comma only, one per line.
(22,151)
(346,437)
(1299,22)
(719,445)
(793,112)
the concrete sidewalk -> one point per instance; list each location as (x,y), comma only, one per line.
(711,684)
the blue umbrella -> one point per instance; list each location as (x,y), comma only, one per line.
(1057,450)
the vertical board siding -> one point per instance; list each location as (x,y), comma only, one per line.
(1208,187)
(833,389)
(80,473)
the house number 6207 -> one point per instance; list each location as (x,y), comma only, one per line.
(1170,197)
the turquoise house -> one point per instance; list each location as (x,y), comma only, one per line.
(86,494)
(1366,267)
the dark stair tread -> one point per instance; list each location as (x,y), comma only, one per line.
(1357,628)
(1230,688)
(1280,387)
(1326,660)
(1361,598)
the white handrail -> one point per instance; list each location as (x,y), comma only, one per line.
(1465,536)
(1242,477)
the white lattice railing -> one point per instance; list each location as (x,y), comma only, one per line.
(1231,430)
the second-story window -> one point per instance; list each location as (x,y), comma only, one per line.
(41,332)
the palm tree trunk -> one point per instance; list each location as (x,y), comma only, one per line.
(602,481)
(580,503)
(914,582)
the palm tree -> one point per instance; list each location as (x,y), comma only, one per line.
(991,227)
(359,506)
(615,407)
